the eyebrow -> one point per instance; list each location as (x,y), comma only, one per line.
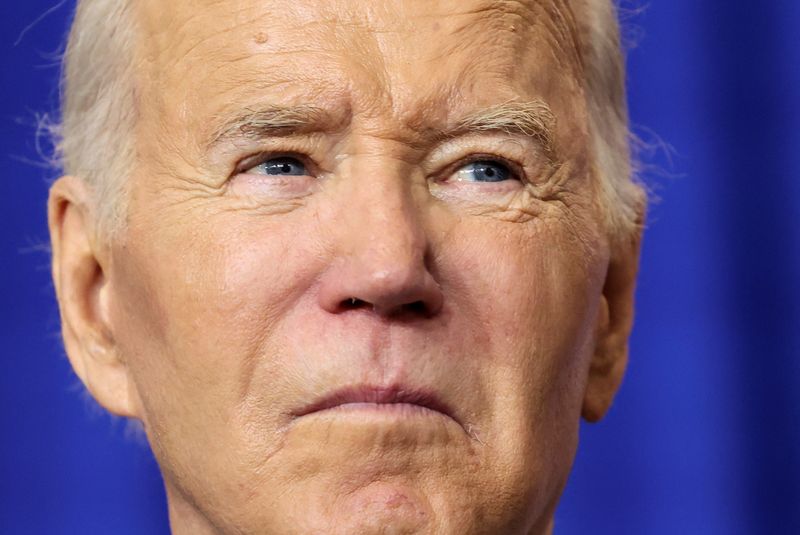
(532,119)
(272,121)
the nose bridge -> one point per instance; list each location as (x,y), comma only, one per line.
(382,241)
(385,215)
(385,222)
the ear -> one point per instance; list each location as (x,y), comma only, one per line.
(83,292)
(615,321)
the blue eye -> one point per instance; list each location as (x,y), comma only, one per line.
(484,171)
(283,166)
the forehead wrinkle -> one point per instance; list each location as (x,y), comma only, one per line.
(172,30)
(372,94)
(567,37)
(511,23)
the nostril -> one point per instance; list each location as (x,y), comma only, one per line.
(352,303)
(417,307)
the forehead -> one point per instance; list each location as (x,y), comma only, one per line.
(406,57)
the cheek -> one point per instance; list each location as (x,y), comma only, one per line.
(534,301)
(535,298)
(193,318)
(196,308)
(531,283)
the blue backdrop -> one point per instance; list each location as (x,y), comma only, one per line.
(705,435)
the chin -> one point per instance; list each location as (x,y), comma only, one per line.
(377,508)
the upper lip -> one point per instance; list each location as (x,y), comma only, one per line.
(379,395)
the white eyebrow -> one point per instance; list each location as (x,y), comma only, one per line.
(272,121)
(532,119)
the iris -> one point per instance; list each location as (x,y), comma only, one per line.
(284,166)
(484,171)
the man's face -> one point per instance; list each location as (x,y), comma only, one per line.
(363,268)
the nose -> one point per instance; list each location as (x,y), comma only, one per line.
(383,256)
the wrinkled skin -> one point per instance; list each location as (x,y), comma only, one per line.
(233,299)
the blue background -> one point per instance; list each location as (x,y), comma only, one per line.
(705,434)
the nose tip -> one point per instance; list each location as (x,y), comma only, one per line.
(407,291)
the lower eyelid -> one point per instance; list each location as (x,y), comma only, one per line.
(275,186)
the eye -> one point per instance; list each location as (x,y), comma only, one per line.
(484,171)
(282,166)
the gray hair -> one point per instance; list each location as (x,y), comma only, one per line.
(96,140)
(622,195)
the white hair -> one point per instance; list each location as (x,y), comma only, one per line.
(622,195)
(96,140)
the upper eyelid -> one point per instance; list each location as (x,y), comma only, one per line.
(489,146)
(240,159)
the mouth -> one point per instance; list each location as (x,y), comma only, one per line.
(393,400)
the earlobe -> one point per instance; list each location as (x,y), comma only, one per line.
(614,325)
(83,293)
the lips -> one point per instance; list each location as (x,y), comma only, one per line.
(375,395)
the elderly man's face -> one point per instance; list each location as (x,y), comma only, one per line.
(364,283)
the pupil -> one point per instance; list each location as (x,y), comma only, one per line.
(489,172)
